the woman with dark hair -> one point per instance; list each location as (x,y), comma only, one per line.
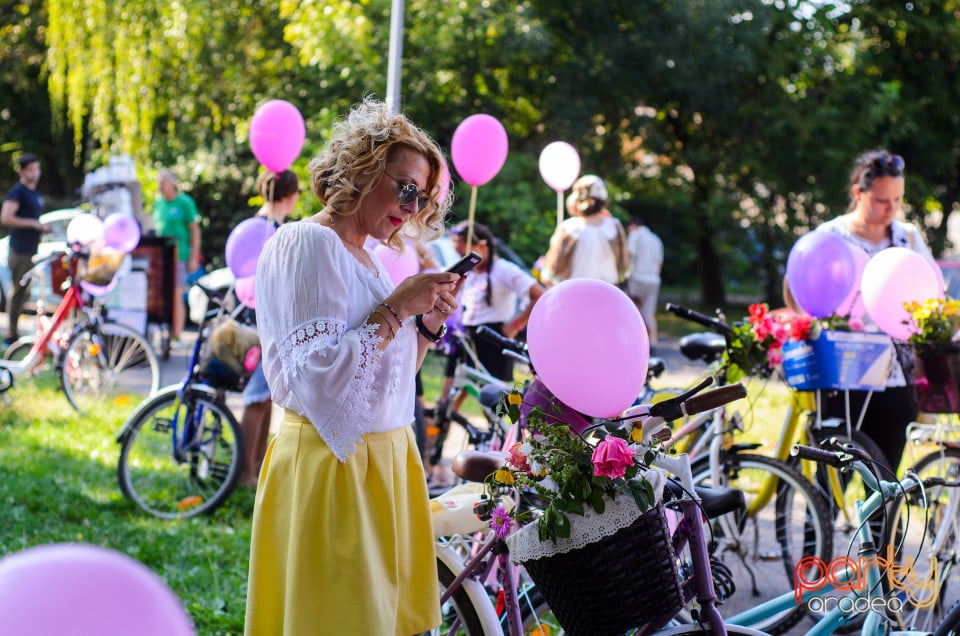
(497,294)
(876,198)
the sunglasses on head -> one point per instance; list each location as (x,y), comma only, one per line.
(407,193)
(890,163)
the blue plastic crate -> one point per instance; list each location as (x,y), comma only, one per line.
(852,360)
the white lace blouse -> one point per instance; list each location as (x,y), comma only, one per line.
(319,355)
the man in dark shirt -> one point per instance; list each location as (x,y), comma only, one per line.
(21,214)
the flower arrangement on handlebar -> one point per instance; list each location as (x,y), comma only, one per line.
(567,471)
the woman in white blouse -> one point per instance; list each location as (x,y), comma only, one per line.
(342,540)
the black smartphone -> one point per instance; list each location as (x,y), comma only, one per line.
(465,264)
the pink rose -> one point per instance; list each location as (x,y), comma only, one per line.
(612,457)
(774,357)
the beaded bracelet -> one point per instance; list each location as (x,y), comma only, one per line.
(386,319)
(394,312)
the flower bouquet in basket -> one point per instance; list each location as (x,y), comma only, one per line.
(597,542)
(755,344)
(935,325)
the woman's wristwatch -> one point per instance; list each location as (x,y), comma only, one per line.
(426,333)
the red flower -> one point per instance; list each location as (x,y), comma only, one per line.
(758,311)
(517,459)
(800,327)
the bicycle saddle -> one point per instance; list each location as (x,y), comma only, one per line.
(655,366)
(490,394)
(472,465)
(703,346)
(716,501)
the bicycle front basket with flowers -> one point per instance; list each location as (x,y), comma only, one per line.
(598,547)
(755,343)
(936,374)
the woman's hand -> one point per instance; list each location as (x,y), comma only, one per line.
(433,295)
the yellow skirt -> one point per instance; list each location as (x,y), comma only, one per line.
(341,548)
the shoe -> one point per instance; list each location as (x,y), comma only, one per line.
(176,344)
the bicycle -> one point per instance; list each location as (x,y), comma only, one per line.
(96,362)
(786,517)
(466,604)
(854,587)
(937,537)
(181,452)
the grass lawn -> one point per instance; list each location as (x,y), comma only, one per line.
(58,484)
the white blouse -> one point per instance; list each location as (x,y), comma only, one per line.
(319,355)
(511,285)
(593,256)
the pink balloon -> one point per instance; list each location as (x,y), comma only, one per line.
(937,272)
(245,243)
(852,305)
(399,266)
(479,148)
(277,132)
(895,276)
(589,345)
(246,291)
(559,165)
(73,588)
(121,232)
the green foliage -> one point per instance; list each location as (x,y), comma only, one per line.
(58,484)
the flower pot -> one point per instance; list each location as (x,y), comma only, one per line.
(935,382)
(616,571)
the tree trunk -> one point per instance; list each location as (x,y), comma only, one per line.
(708,260)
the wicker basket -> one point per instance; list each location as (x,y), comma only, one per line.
(229,354)
(623,580)
(100,267)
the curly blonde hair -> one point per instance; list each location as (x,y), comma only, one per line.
(359,149)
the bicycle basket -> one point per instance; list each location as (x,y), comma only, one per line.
(623,580)
(100,267)
(229,354)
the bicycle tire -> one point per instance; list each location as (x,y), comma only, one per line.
(923,526)
(460,606)
(950,625)
(799,517)
(205,474)
(20,349)
(108,365)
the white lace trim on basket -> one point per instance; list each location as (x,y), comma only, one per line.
(525,545)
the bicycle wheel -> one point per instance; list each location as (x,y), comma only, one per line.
(762,547)
(924,525)
(196,477)
(950,625)
(18,351)
(459,615)
(110,365)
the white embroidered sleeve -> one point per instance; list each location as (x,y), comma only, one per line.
(333,366)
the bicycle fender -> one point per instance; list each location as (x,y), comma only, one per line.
(478,595)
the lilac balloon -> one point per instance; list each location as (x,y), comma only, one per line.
(895,276)
(121,232)
(555,411)
(852,305)
(73,588)
(245,243)
(821,272)
(559,165)
(277,132)
(479,148)
(589,345)
(246,291)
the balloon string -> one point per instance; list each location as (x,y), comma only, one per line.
(473,207)
(559,207)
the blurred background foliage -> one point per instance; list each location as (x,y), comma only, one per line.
(729,125)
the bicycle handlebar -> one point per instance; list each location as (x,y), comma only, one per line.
(496,338)
(686,313)
(819,455)
(693,401)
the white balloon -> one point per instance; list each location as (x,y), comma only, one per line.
(559,165)
(85,229)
